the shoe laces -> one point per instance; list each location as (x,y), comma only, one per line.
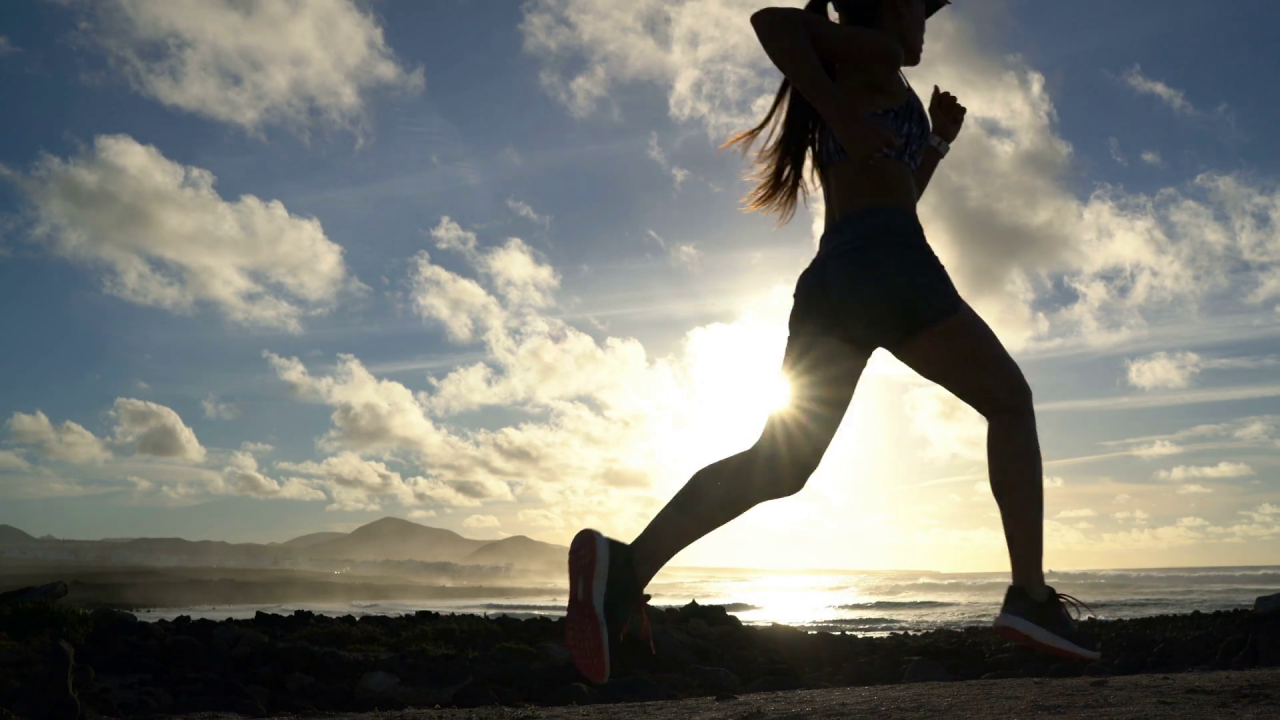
(1064,601)
(639,609)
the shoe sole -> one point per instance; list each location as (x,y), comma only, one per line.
(1026,632)
(586,633)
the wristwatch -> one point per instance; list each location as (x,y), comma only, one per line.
(942,146)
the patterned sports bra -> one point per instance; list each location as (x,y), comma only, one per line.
(910,123)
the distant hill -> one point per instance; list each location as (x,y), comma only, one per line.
(312,539)
(396,539)
(10,535)
(522,552)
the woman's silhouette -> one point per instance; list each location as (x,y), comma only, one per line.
(874,282)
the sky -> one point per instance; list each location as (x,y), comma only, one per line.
(272,268)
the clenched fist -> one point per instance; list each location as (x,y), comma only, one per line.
(946,114)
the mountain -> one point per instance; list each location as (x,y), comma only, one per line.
(305,541)
(10,535)
(396,539)
(522,552)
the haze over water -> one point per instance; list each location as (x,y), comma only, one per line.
(858,602)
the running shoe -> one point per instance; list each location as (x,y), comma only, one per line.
(605,600)
(1046,625)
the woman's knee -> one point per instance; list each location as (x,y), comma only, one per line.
(1010,398)
(779,474)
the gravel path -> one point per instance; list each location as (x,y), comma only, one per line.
(1239,694)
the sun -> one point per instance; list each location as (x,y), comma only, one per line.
(775,395)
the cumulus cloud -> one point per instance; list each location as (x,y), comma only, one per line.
(251,63)
(1192,522)
(1223,469)
(1151,157)
(1137,516)
(354,483)
(10,461)
(215,409)
(1054,482)
(1080,513)
(1192,489)
(540,517)
(164,237)
(68,442)
(701,51)
(155,430)
(256,447)
(1176,370)
(476,522)
(243,477)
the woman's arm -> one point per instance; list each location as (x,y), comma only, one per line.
(798,42)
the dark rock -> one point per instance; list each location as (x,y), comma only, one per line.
(921,670)
(1267,605)
(44,593)
(1267,640)
(554,653)
(714,678)
(376,683)
(107,620)
(50,696)
(297,682)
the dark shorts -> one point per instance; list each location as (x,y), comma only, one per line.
(875,282)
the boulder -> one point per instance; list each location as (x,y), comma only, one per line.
(44,593)
(1267,605)
(921,670)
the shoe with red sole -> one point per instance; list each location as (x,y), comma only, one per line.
(604,598)
(1045,625)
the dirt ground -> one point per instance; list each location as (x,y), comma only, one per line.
(1243,694)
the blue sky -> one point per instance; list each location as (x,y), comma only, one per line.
(481,265)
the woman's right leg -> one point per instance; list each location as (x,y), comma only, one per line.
(823,373)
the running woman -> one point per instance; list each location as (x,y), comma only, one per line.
(874,283)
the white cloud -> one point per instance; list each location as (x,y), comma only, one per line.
(1116,155)
(354,483)
(1192,522)
(481,521)
(449,235)
(256,447)
(155,430)
(686,255)
(1137,516)
(1122,498)
(1054,482)
(251,63)
(1151,157)
(1083,525)
(68,442)
(10,460)
(702,52)
(1159,448)
(460,304)
(1192,489)
(1163,370)
(1080,513)
(215,409)
(1223,469)
(421,514)
(1175,99)
(166,239)
(524,210)
(1176,370)
(656,154)
(540,517)
(1160,538)
(519,276)
(243,477)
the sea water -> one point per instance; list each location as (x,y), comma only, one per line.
(865,603)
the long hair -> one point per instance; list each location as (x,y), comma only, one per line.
(790,128)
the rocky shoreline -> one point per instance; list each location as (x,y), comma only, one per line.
(60,662)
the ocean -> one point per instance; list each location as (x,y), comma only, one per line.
(864,603)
